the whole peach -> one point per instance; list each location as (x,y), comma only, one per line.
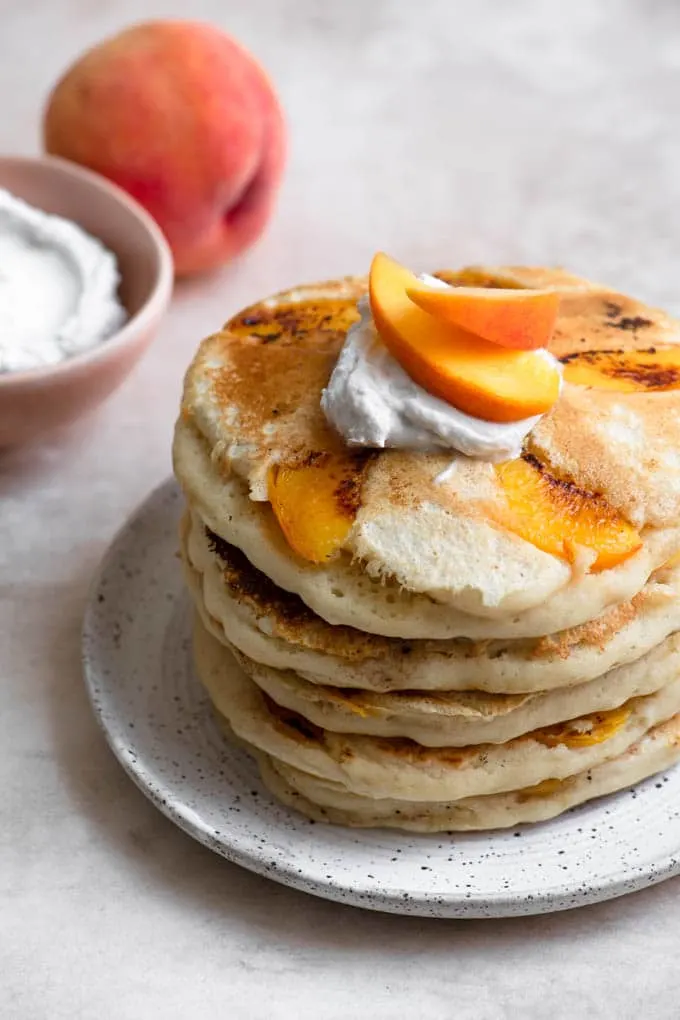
(184,119)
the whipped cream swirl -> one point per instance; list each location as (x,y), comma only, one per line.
(58,288)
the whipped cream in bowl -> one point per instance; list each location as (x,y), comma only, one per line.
(58,288)
(68,237)
(372,401)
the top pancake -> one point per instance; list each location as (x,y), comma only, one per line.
(252,396)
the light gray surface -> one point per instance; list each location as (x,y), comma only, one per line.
(443,132)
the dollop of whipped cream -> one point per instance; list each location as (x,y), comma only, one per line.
(58,288)
(372,401)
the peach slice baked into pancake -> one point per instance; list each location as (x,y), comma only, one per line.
(434,541)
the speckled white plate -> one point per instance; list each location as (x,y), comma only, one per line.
(136,652)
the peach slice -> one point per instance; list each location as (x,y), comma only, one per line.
(316,502)
(591,729)
(652,370)
(472,374)
(557,517)
(519,319)
(477,276)
(544,789)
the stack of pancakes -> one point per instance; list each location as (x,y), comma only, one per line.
(437,671)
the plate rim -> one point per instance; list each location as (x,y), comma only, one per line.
(448,903)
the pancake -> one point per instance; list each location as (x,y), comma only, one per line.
(451,544)
(344,594)
(452,719)
(327,802)
(426,640)
(251,400)
(381,767)
(276,629)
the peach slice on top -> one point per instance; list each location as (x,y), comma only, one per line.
(557,516)
(476,376)
(520,319)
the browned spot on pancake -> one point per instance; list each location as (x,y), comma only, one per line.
(601,320)
(348,468)
(589,357)
(599,631)
(291,619)
(569,497)
(273,363)
(348,491)
(267,382)
(648,368)
(567,491)
(294,319)
(613,313)
(292,723)
(650,377)
(297,727)
(249,584)
(632,322)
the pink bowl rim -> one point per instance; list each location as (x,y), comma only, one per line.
(158,296)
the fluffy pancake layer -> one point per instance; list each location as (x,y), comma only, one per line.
(449,719)
(342,592)
(277,629)
(326,802)
(401,769)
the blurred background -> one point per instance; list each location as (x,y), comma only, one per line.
(444,132)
